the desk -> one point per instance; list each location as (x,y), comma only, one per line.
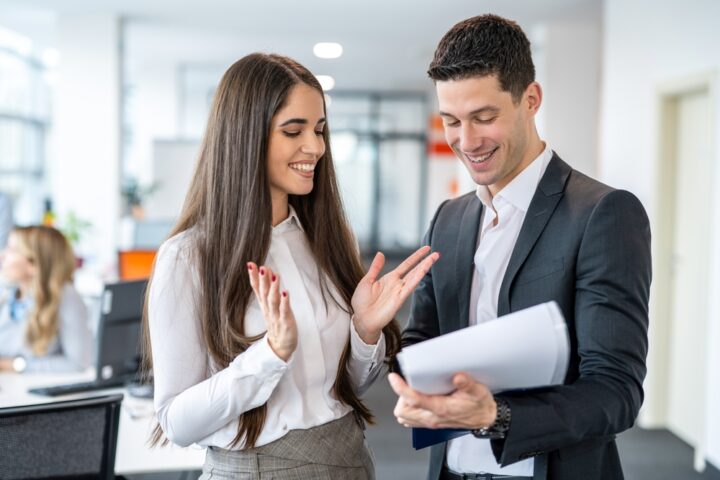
(134,455)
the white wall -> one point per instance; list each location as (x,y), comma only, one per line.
(84,141)
(571,55)
(645,46)
(152,114)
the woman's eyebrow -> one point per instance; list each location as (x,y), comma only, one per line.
(301,121)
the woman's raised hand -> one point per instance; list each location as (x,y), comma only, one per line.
(375,302)
(275,306)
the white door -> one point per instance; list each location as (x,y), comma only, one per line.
(690,268)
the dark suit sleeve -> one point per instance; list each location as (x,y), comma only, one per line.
(423,321)
(613,273)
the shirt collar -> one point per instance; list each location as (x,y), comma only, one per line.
(521,189)
(290,223)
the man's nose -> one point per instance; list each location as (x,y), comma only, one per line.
(468,138)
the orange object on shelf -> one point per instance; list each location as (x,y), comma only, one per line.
(48,218)
(135,264)
(438,148)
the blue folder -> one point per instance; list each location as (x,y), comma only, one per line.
(425,437)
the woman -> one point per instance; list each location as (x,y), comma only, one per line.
(262,364)
(43,320)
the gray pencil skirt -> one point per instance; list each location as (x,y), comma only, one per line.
(336,450)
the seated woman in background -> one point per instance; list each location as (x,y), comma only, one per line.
(43,321)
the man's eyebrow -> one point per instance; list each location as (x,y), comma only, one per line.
(488,109)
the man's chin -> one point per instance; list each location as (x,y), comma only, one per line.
(484,179)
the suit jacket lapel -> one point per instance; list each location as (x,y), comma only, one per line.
(464,263)
(546,198)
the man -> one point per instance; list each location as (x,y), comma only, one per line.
(535,230)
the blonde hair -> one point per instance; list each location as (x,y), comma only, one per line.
(54,260)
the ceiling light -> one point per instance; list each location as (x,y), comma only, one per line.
(326,82)
(327,50)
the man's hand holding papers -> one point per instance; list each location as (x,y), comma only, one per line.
(471,406)
(450,380)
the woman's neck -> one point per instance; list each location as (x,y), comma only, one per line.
(280,209)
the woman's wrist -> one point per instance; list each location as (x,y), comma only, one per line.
(368,336)
(283,353)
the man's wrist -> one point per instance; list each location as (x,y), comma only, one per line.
(500,426)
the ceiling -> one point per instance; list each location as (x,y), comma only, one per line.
(387,43)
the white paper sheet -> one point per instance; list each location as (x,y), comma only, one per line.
(525,349)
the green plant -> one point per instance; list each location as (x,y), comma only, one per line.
(74,227)
(134,193)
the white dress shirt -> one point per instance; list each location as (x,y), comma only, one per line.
(502,218)
(197,402)
(72,348)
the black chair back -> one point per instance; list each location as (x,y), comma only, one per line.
(61,440)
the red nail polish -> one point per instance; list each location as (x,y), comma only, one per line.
(249,265)
(262,271)
(284,294)
(274,277)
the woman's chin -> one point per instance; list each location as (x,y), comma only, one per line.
(301,190)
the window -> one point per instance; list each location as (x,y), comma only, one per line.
(379,148)
(24,118)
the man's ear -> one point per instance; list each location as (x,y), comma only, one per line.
(533,97)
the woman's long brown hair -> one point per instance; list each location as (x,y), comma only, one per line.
(229,206)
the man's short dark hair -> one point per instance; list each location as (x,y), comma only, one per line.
(485,45)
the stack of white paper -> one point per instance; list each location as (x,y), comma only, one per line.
(525,349)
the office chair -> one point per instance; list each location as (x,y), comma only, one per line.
(62,440)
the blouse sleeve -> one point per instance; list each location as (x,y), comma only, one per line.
(366,361)
(190,402)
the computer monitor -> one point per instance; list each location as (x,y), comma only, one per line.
(119,349)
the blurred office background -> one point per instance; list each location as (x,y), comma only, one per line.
(103,106)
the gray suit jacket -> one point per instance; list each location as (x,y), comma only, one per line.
(586,246)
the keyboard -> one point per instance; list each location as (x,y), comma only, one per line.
(67,389)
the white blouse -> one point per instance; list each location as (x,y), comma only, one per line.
(196,402)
